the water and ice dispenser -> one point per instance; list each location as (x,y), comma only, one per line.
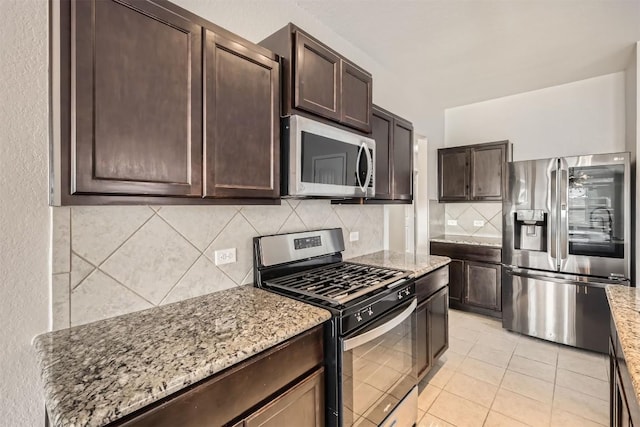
(530,230)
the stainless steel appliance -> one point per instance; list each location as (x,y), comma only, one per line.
(325,161)
(370,340)
(566,235)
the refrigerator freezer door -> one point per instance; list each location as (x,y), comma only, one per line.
(559,308)
(528,214)
(594,205)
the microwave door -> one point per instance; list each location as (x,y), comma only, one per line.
(595,229)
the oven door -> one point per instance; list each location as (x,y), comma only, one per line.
(328,161)
(378,368)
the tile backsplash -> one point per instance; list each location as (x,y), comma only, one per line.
(112,260)
(467,213)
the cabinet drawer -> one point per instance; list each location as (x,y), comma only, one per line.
(431,282)
(467,252)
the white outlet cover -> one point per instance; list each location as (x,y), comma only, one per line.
(452,222)
(478,223)
(225,256)
(354,236)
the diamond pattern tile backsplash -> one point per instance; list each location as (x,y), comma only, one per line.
(112,260)
(466,213)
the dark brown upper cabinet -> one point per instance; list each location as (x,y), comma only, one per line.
(473,172)
(317,85)
(318,80)
(137,109)
(242,121)
(151,100)
(394,156)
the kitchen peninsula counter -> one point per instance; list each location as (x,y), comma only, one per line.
(493,242)
(418,264)
(97,373)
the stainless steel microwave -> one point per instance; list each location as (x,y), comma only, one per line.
(325,161)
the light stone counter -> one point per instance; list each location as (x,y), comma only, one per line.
(96,373)
(420,265)
(494,242)
(625,303)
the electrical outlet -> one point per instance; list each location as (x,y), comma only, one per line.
(452,222)
(354,236)
(225,256)
(478,223)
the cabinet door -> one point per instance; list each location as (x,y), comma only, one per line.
(242,121)
(137,100)
(317,78)
(456,280)
(483,285)
(487,164)
(382,133)
(453,176)
(402,160)
(356,97)
(423,359)
(300,406)
(438,323)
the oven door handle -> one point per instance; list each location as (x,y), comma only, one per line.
(374,333)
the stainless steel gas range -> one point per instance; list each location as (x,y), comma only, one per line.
(370,339)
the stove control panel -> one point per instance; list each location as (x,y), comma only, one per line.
(307,242)
(403,293)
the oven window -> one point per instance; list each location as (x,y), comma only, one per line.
(596,211)
(378,374)
(329,161)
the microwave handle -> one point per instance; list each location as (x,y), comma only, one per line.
(369,167)
(362,147)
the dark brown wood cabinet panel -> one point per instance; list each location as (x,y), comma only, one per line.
(467,252)
(234,393)
(483,285)
(357,93)
(453,175)
(402,160)
(456,280)
(439,323)
(242,121)
(317,78)
(423,359)
(136,107)
(487,169)
(301,406)
(382,133)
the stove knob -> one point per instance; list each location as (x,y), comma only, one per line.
(369,311)
(406,291)
(400,295)
(358,317)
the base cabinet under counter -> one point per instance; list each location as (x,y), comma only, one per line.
(432,318)
(475,277)
(624,410)
(285,382)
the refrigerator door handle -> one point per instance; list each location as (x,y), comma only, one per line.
(564,213)
(554,215)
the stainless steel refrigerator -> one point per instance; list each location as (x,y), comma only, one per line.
(566,235)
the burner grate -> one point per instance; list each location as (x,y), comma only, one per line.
(338,283)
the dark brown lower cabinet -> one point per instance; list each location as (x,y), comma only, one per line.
(432,317)
(624,410)
(285,382)
(302,405)
(475,282)
(482,285)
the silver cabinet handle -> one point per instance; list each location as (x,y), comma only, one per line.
(374,333)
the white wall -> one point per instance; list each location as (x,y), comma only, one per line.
(24,212)
(583,117)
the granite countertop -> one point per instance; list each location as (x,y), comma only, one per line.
(420,264)
(494,242)
(96,373)
(625,304)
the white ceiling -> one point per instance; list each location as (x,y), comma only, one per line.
(457,52)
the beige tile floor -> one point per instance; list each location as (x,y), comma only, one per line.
(492,377)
